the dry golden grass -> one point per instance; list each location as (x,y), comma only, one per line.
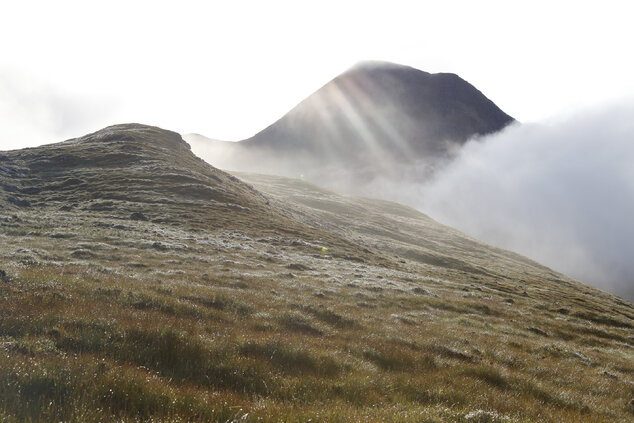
(83,345)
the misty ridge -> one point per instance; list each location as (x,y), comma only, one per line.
(369,121)
(560,192)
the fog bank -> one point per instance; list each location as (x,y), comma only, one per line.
(561,193)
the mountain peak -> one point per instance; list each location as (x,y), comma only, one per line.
(401,108)
(375,117)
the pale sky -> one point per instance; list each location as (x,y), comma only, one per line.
(228,69)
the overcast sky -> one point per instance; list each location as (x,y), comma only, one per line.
(228,69)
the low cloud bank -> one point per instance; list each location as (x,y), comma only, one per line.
(561,193)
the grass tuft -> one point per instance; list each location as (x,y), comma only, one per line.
(292,360)
(296,322)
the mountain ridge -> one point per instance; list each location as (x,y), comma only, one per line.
(363,124)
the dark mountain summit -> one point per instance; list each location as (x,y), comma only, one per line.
(389,106)
(368,119)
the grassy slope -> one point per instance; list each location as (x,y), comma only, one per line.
(295,305)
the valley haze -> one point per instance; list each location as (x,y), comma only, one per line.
(560,192)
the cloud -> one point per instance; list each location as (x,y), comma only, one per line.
(560,192)
(33,113)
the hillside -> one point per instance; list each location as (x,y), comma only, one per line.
(369,120)
(128,174)
(139,283)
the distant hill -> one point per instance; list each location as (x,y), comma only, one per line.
(364,122)
(128,167)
